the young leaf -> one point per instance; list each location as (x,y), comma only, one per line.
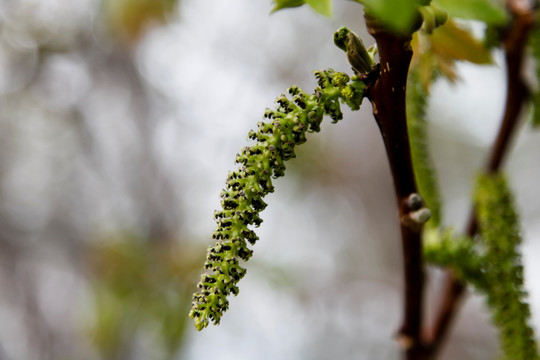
(424,170)
(398,15)
(451,42)
(283,4)
(484,10)
(323,7)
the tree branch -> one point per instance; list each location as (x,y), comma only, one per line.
(387,96)
(514,43)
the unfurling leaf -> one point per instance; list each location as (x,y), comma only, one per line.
(357,55)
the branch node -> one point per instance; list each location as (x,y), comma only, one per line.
(405,342)
(415,213)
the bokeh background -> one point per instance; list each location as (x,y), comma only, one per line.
(119,120)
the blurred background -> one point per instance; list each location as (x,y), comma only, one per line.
(119,120)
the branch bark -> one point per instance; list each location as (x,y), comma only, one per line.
(514,43)
(387,96)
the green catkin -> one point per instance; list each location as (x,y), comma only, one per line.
(492,264)
(424,170)
(460,253)
(242,199)
(534,43)
(503,282)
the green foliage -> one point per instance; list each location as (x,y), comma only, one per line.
(487,11)
(129,19)
(323,7)
(424,170)
(451,41)
(504,286)
(242,200)
(400,16)
(139,282)
(534,43)
(284,4)
(436,53)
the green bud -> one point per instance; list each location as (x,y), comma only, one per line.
(433,17)
(341,38)
(357,55)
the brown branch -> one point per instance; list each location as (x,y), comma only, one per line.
(514,43)
(387,96)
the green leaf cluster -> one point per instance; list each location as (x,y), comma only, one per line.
(398,15)
(242,199)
